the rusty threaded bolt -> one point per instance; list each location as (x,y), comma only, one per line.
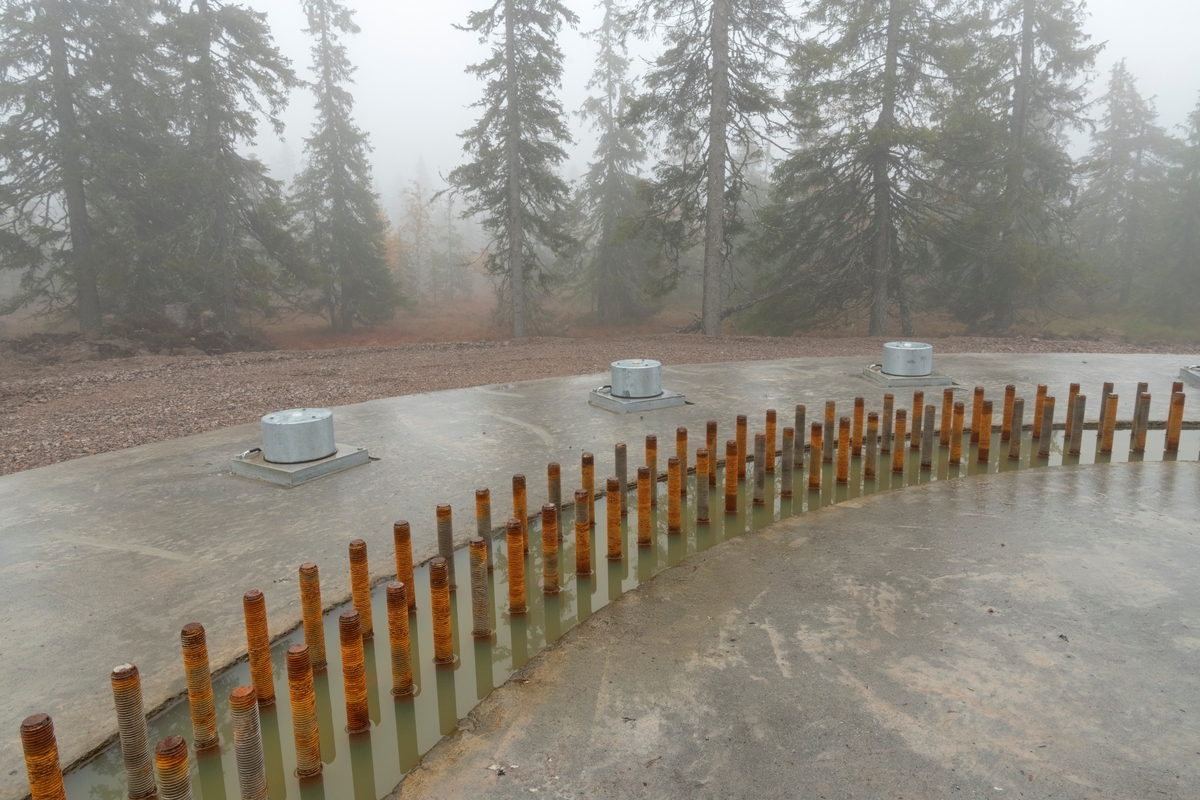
(856,431)
(477,552)
(673,470)
(885,425)
(258,645)
(402,534)
(1109,424)
(1142,422)
(787,456)
(1077,412)
(304,708)
(829,434)
(1010,394)
(360,580)
(681,447)
(1176,386)
(439,607)
(1039,403)
(199,686)
(1047,427)
(643,494)
(1175,421)
(1017,431)
(553,494)
(445,536)
(843,448)
(760,468)
(917,410)
(947,415)
(171,764)
(976,414)
(815,449)
(516,568)
(589,485)
(1071,395)
(798,452)
(652,463)
(41,758)
(483,523)
(312,615)
(898,450)
(927,437)
(985,433)
(1105,391)
(956,433)
(550,562)
(612,517)
(131,724)
(710,444)
(621,466)
(740,436)
(702,473)
(871,458)
(769,455)
(521,509)
(583,534)
(247,742)
(398,639)
(354,671)
(731,480)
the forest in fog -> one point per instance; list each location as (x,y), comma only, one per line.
(799,164)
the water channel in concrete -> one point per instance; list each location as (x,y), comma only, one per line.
(367,767)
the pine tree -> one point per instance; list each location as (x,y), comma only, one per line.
(616,262)
(710,96)
(63,64)
(851,204)
(231,73)
(1124,170)
(342,225)
(515,146)
(1011,240)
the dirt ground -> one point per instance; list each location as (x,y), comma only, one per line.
(55,412)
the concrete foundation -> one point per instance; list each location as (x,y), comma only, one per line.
(253,465)
(877,376)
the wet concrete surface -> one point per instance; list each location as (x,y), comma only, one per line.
(1026,634)
(103,559)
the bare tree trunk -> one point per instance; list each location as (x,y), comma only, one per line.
(718,121)
(882,179)
(83,268)
(516,232)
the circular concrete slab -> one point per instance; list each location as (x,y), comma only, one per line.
(1027,634)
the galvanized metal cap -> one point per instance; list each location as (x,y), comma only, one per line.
(298,435)
(636,377)
(907,359)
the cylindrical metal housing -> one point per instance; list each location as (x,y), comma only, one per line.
(636,377)
(298,435)
(907,359)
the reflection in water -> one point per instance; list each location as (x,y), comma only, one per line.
(362,764)
(419,722)
(311,788)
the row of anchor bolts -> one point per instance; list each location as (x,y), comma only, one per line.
(165,774)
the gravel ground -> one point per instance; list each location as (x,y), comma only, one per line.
(63,411)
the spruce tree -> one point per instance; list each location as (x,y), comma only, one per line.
(1124,171)
(616,262)
(710,96)
(63,65)
(230,74)
(851,204)
(342,227)
(515,146)
(1173,281)
(1014,102)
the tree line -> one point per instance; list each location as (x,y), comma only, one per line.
(804,163)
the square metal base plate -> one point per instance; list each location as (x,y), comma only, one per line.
(877,376)
(1190,375)
(602,398)
(253,465)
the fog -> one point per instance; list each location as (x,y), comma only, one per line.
(413,96)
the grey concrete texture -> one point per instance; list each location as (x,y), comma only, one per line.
(1023,634)
(103,559)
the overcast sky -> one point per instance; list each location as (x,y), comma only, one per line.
(413,97)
